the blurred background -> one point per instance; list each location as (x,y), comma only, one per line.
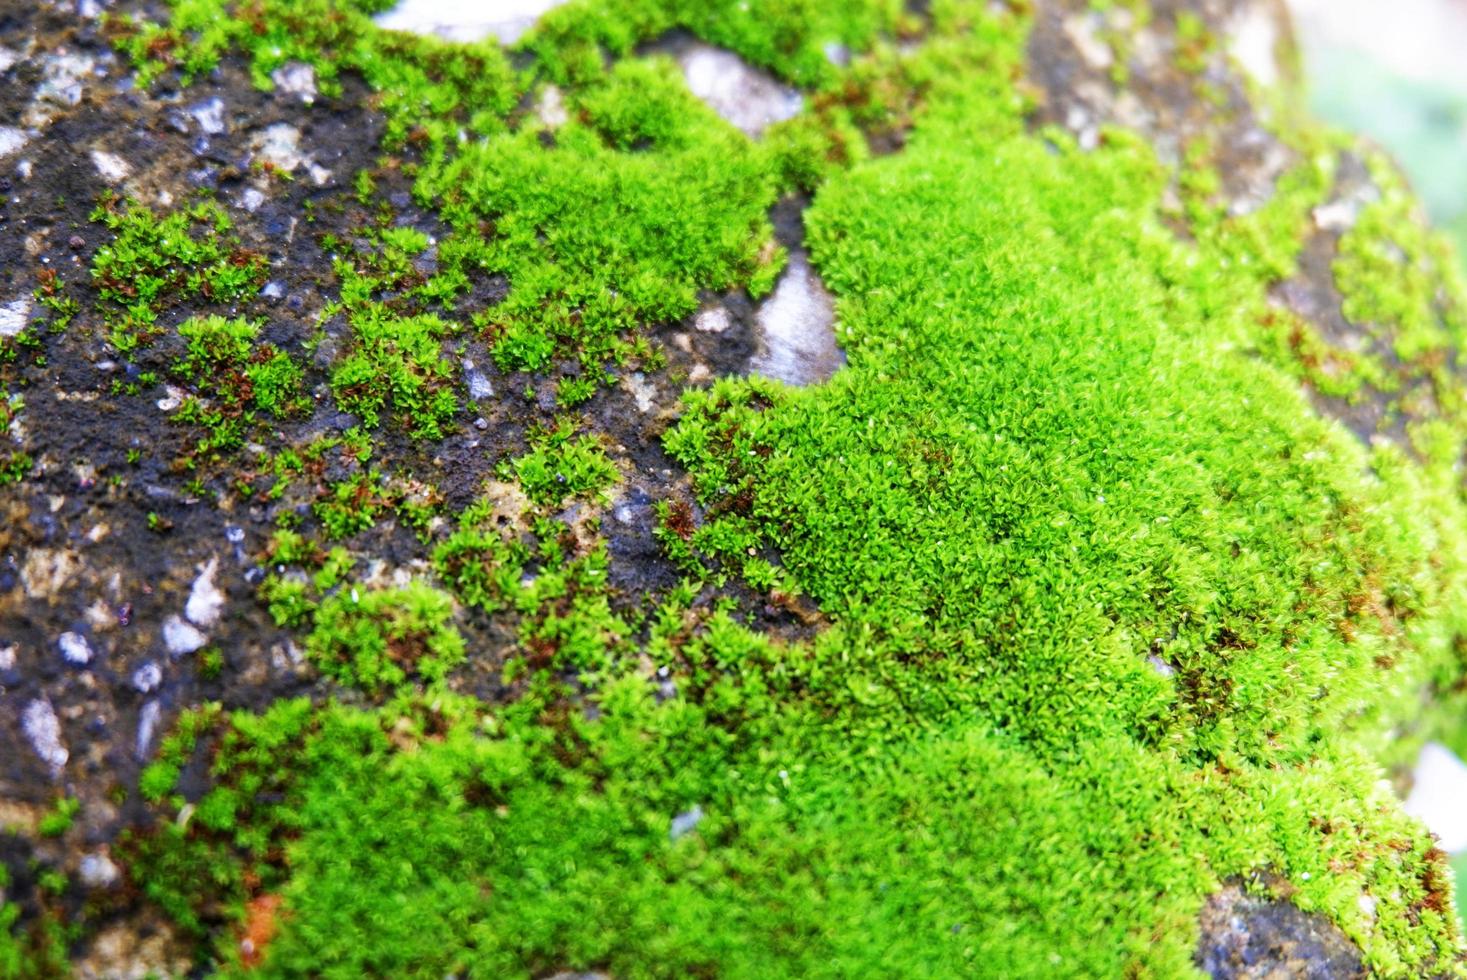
(1397,71)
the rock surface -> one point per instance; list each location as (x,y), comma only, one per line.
(445,446)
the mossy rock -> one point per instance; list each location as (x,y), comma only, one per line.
(503,621)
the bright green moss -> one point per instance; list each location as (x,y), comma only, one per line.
(235,377)
(481,567)
(1110,615)
(396,363)
(352,505)
(561,465)
(379,639)
(1394,272)
(154,263)
(597,238)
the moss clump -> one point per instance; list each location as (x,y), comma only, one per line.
(561,465)
(234,379)
(1111,615)
(158,262)
(378,639)
(14,465)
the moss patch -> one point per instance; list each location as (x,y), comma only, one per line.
(1112,615)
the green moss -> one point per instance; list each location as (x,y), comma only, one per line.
(58,821)
(157,262)
(561,465)
(233,378)
(595,238)
(481,567)
(352,505)
(378,639)
(1110,614)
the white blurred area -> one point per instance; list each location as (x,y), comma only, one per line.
(1423,40)
(1396,70)
(467,20)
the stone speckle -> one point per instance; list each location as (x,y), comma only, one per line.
(505,20)
(296,78)
(14,316)
(205,600)
(180,637)
(279,146)
(748,98)
(75,649)
(147,725)
(112,167)
(98,871)
(12,140)
(209,114)
(43,729)
(686,822)
(147,677)
(796,328)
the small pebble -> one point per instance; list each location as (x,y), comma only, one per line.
(205,601)
(147,677)
(75,648)
(209,114)
(686,822)
(98,871)
(180,637)
(147,724)
(43,729)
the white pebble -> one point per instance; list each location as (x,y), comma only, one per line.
(205,601)
(112,167)
(44,731)
(504,20)
(296,78)
(209,114)
(180,637)
(686,822)
(98,871)
(477,381)
(715,319)
(14,316)
(147,677)
(75,648)
(147,724)
(12,140)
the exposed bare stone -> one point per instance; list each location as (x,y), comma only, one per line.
(797,328)
(1250,938)
(12,140)
(113,169)
(205,600)
(43,729)
(134,951)
(180,637)
(550,110)
(296,78)
(14,316)
(750,99)
(505,20)
(209,114)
